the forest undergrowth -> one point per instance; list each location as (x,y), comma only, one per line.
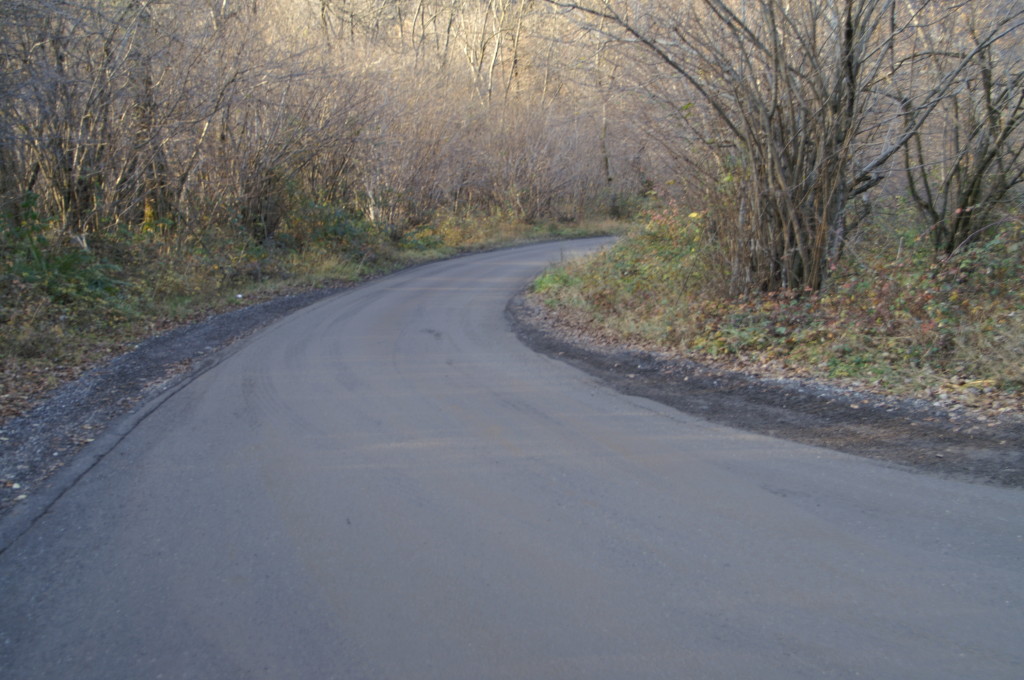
(894,317)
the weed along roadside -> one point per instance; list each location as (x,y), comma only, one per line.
(892,318)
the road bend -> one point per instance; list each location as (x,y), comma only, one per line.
(388,485)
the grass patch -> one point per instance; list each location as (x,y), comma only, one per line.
(894,317)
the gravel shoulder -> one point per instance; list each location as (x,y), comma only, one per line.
(910,433)
(34,447)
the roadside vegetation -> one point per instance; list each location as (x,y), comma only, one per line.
(832,188)
(894,317)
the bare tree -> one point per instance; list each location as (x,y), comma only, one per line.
(963,165)
(803,121)
(128,116)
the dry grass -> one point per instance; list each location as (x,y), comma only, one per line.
(894,317)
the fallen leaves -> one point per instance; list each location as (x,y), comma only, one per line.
(25,383)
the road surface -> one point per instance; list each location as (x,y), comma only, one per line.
(388,485)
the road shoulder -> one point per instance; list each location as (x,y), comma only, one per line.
(909,433)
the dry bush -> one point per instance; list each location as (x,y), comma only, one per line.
(800,105)
(201,126)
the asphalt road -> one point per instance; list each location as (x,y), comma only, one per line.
(388,485)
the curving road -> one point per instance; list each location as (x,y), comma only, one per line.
(388,485)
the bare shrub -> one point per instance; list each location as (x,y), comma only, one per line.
(964,164)
(796,103)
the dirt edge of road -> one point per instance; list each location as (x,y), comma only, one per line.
(908,433)
(49,437)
